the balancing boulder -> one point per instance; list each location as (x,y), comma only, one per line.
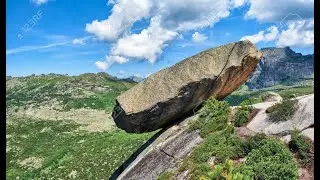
(175,92)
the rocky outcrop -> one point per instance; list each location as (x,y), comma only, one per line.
(168,149)
(302,119)
(281,66)
(174,92)
(271,96)
(166,152)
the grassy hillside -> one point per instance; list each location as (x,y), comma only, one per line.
(87,90)
(47,134)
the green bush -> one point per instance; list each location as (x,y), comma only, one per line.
(242,113)
(272,160)
(223,145)
(282,111)
(254,142)
(226,171)
(213,117)
(301,145)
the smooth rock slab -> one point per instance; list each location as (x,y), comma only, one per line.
(166,152)
(172,93)
(302,119)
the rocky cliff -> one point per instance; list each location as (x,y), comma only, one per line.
(281,66)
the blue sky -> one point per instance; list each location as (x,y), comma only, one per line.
(125,38)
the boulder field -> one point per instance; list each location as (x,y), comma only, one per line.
(174,92)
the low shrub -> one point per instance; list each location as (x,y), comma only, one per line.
(301,145)
(242,113)
(223,145)
(213,117)
(226,171)
(282,111)
(254,142)
(272,160)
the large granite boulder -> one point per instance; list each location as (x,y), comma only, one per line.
(172,93)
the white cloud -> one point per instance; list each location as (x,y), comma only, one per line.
(265,11)
(146,45)
(238,3)
(108,62)
(168,20)
(124,14)
(198,38)
(296,33)
(121,72)
(254,38)
(40,2)
(33,48)
(82,41)
(78,42)
(117,59)
(299,33)
(103,65)
(57,40)
(271,34)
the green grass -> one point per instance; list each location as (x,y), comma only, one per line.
(282,111)
(64,149)
(39,89)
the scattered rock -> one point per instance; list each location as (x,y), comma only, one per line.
(182,176)
(211,161)
(174,92)
(31,163)
(73,174)
(309,133)
(271,96)
(286,138)
(244,132)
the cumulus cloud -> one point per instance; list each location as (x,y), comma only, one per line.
(109,61)
(198,38)
(299,33)
(264,11)
(40,2)
(124,14)
(117,59)
(102,65)
(146,45)
(296,34)
(270,34)
(238,3)
(168,19)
